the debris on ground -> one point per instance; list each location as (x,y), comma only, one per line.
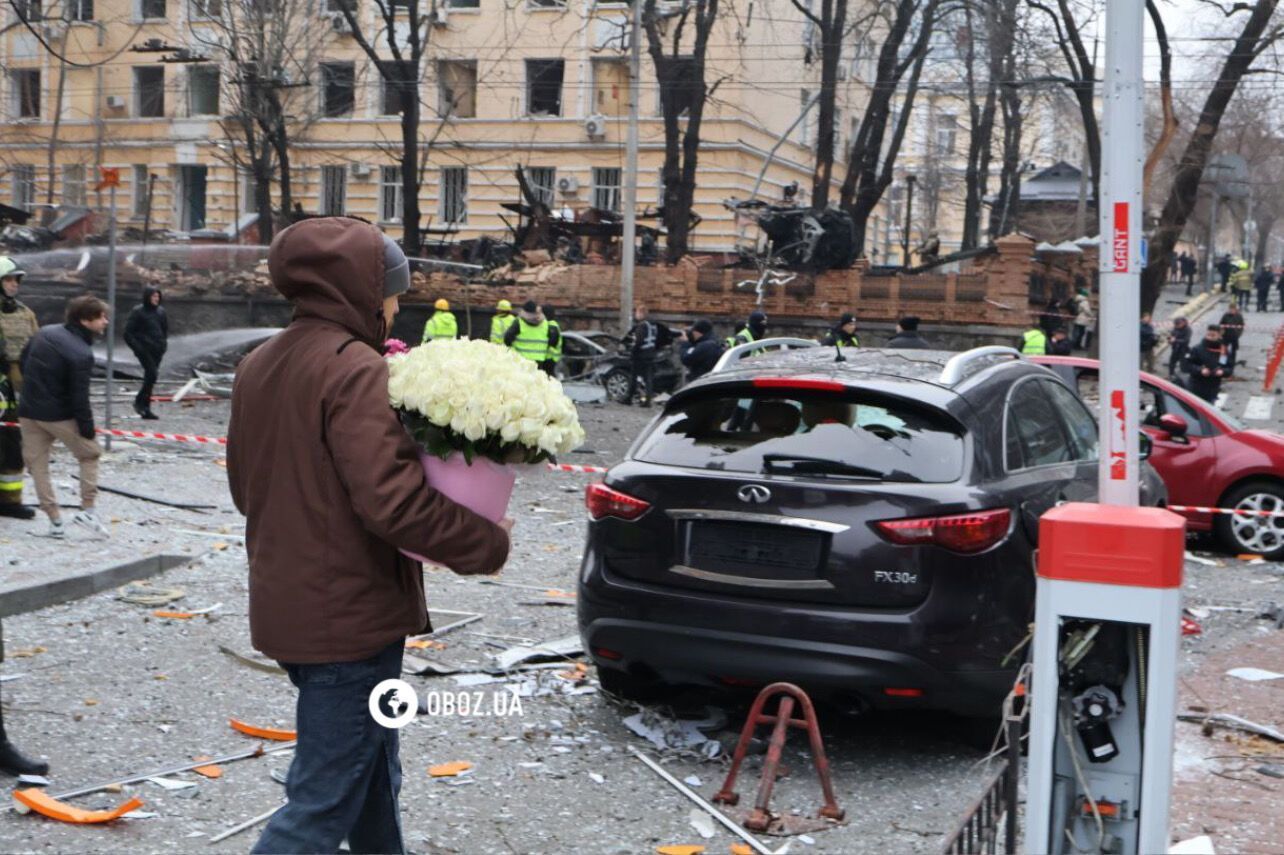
(1253,675)
(273,733)
(450,770)
(29,800)
(251,661)
(561,648)
(670,734)
(1232,722)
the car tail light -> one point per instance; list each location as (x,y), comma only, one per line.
(602,502)
(608,653)
(804,385)
(966,533)
(894,692)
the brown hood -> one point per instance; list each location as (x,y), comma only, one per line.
(331,268)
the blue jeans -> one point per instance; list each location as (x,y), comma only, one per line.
(346,774)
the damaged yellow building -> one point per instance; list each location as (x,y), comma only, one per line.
(540,83)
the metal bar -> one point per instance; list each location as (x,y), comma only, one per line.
(258,751)
(249,823)
(704,805)
(969,829)
(111,308)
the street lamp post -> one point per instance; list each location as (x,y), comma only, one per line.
(909,212)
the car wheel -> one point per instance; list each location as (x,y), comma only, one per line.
(1252,531)
(617,385)
(628,686)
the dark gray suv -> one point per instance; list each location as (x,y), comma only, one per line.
(864,528)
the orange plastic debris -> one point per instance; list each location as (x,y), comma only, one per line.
(449,770)
(680,849)
(263,732)
(741,849)
(425,644)
(161,613)
(554,592)
(1248,556)
(208,771)
(46,805)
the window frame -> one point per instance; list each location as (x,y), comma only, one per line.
(24,176)
(529,88)
(139,208)
(617,187)
(445,106)
(546,193)
(199,10)
(452,195)
(67,180)
(389,186)
(140,10)
(1007,410)
(159,96)
(206,69)
(325,200)
(328,85)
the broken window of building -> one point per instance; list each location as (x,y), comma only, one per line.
(392,85)
(24,186)
(336,6)
(457,89)
(192,183)
(149,91)
(390,194)
(207,9)
(26,92)
(249,193)
(73,185)
(542,180)
(28,10)
(141,187)
(338,88)
(683,90)
(545,4)
(202,90)
(334,191)
(151,9)
(80,10)
(453,202)
(606,188)
(544,86)
(610,87)
(463,4)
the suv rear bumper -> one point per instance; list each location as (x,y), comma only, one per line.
(685,655)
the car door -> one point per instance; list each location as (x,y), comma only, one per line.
(1044,467)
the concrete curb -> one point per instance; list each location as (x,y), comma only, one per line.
(29,598)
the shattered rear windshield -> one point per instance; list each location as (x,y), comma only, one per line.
(807,434)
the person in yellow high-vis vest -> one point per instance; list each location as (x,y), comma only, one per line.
(531,336)
(554,350)
(1034,342)
(442,324)
(17,326)
(501,322)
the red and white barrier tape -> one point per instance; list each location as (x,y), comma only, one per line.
(1195,509)
(571,467)
(138,434)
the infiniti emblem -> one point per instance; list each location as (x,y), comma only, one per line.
(754,494)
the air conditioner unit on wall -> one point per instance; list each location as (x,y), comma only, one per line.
(340,23)
(595,127)
(568,185)
(115,102)
(440,16)
(360,170)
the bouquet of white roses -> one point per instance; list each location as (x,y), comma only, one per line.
(481,400)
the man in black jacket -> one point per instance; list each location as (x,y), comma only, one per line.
(1180,342)
(1232,326)
(907,336)
(1207,364)
(1148,339)
(1265,279)
(56,366)
(147,334)
(700,349)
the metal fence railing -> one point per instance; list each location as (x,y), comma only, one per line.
(990,825)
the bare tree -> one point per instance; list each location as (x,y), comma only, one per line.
(1004,63)
(680,73)
(266,52)
(831,24)
(878,140)
(1259,33)
(397,46)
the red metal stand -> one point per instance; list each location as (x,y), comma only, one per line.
(760,818)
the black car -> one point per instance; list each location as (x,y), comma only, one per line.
(863,528)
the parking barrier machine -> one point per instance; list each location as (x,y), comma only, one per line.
(1104,690)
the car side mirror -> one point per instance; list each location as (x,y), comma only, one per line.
(1145,445)
(1174,425)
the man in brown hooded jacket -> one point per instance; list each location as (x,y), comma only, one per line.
(332,489)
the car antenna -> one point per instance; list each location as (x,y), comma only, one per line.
(838,353)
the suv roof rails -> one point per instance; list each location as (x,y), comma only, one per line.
(733,356)
(963,364)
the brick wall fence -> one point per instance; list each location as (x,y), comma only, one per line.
(997,289)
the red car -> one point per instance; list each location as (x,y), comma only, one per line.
(1206,457)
